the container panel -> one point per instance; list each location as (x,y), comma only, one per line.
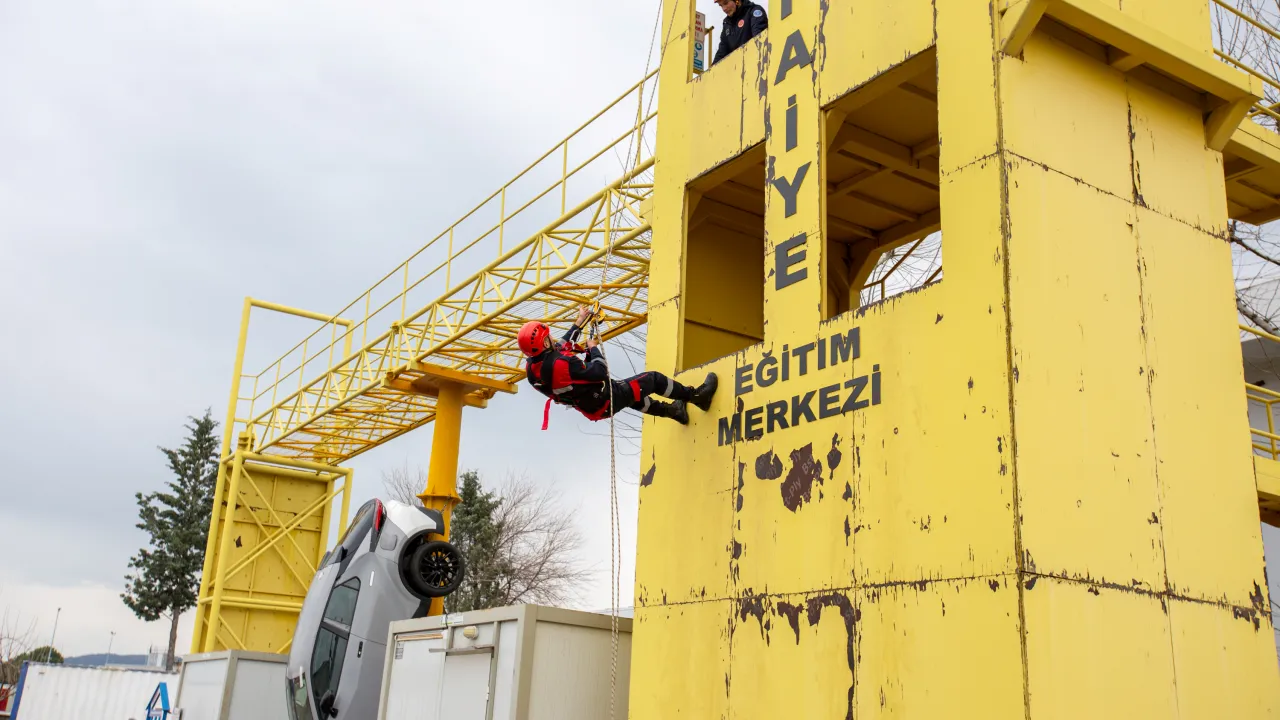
(57,692)
(505,678)
(200,692)
(413,689)
(582,658)
(464,694)
(259,691)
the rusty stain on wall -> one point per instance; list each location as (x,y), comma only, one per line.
(768,466)
(797,489)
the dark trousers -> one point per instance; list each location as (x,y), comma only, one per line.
(633,393)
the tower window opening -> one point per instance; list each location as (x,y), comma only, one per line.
(724,260)
(883,210)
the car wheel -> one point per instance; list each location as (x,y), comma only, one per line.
(434,569)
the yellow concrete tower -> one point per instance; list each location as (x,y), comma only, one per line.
(1023,489)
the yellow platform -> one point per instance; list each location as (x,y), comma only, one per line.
(1251,162)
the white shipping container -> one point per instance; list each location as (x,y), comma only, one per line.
(519,663)
(233,685)
(60,692)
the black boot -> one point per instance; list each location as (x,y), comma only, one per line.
(676,410)
(703,393)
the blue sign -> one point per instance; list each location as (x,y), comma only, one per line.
(158,708)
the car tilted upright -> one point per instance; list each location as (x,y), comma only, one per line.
(388,566)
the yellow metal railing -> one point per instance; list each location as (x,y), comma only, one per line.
(536,247)
(1265,441)
(1269,106)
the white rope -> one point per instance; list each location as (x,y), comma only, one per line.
(615,518)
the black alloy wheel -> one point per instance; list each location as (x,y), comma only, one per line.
(435,569)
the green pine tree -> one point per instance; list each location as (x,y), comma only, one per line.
(167,578)
(476,533)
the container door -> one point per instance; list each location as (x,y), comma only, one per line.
(465,693)
(413,690)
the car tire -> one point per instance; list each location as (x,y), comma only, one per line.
(434,569)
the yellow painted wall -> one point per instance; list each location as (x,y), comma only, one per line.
(1047,509)
(272,529)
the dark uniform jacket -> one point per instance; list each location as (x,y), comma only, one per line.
(583,385)
(748,22)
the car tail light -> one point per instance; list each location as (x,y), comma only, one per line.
(379,515)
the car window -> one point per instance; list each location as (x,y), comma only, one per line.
(326,664)
(342,603)
(356,531)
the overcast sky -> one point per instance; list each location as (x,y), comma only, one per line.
(162,159)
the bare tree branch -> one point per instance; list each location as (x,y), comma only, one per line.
(1259,261)
(17,639)
(404,484)
(1235,238)
(1254,317)
(540,544)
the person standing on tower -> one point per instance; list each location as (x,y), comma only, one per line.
(743,21)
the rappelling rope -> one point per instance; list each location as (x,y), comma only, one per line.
(615,519)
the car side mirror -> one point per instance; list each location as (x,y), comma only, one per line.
(326,705)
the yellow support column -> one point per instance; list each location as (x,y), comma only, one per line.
(441,492)
(1020,490)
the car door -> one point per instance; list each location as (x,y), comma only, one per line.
(333,654)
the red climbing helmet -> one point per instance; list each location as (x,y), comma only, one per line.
(533,338)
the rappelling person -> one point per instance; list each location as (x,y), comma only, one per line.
(743,21)
(556,371)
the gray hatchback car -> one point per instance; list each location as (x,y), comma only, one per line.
(388,566)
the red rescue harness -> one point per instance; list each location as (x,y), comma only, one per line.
(555,365)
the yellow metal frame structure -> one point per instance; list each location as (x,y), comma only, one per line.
(1261,108)
(324,403)
(1265,440)
(448,345)
(268,531)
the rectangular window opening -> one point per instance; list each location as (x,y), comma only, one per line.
(724,260)
(883,212)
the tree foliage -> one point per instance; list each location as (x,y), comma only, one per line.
(519,544)
(166,578)
(44,654)
(476,532)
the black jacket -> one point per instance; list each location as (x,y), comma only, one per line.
(582,385)
(748,22)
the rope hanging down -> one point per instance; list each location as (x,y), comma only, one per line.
(597,317)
